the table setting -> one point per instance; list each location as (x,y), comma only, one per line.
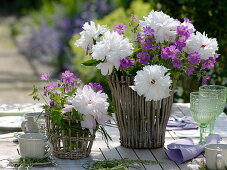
(141,71)
(206,106)
(179,151)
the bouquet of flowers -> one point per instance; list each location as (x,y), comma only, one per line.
(161,49)
(87,104)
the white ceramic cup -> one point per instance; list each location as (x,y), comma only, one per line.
(34,145)
(216,156)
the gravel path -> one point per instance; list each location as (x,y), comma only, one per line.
(17,72)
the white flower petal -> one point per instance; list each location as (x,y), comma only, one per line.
(164,26)
(111,49)
(67,108)
(152,82)
(89,34)
(104,119)
(89,123)
(89,102)
(198,42)
(106,68)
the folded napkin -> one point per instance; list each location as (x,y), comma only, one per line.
(184,149)
(178,122)
(176,125)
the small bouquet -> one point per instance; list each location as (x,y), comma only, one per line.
(160,50)
(87,104)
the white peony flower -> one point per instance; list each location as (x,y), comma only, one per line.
(89,34)
(164,26)
(200,43)
(153,82)
(93,105)
(111,49)
(89,102)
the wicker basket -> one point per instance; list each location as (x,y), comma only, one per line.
(68,143)
(141,124)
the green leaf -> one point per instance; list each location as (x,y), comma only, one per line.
(91,62)
(111,108)
(57,99)
(35,90)
(56,116)
(77,115)
(72,92)
(36,97)
(46,107)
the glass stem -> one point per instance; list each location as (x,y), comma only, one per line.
(202,134)
(211,127)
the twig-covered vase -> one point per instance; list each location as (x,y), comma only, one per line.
(141,123)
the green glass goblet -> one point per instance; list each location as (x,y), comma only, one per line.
(203,107)
(221,92)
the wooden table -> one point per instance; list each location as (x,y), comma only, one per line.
(101,152)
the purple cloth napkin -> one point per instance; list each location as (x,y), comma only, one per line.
(176,125)
(184,149)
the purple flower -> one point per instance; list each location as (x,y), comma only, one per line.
(169,52)
(205,79)
(52,104)
(68,77)
(130,62)
(209,63)
(124,62)
(146,44)
(173,51)
(187,20)
(190,70)
(134,18)
(50,87)
(70,80)
(138,36)
(184,31)
(96,87)
(177,63)
(120,28)
(143,57)
(148,31)
(45,76)
(194,58)
(180,43)
(216,56)
(165,53)
(181,29)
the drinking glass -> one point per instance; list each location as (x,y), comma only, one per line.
(203,107)
(221,92)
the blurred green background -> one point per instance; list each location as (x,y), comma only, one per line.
(47,29)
